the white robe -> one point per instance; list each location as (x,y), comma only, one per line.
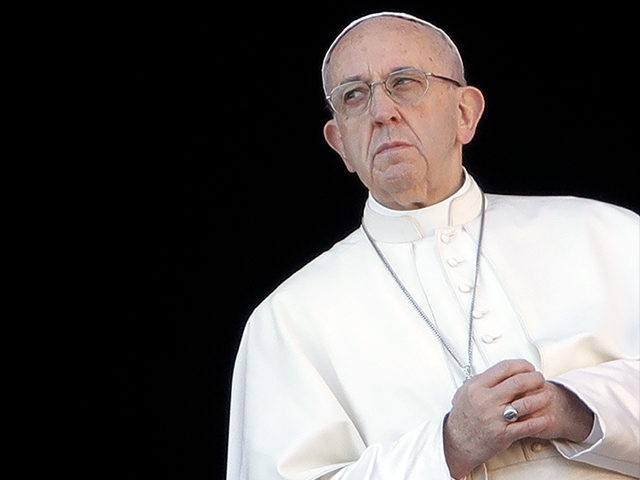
(337,376)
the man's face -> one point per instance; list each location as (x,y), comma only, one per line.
(409,156)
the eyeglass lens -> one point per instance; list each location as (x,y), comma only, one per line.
(405,86)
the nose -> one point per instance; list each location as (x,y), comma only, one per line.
(381,106)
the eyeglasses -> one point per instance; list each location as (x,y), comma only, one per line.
(405,86)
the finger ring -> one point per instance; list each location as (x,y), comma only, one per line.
(510,413)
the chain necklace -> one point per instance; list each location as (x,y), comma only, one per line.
(466,367)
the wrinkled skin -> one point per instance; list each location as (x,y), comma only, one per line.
(475,430)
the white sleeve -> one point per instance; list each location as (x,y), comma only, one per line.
(287,423)
(612,391)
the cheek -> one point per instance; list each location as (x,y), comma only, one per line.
(437,133)
(360,164)
(362,168)
(357,151)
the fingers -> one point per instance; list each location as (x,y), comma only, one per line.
(507,380)
(518,385)
(503,370)
(552,412)
(529,405)
(529,427)
(476,427)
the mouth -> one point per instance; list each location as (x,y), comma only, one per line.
(390,146)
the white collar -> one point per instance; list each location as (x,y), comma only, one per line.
(399,226)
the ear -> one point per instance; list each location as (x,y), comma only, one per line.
(470,107)
(334,139)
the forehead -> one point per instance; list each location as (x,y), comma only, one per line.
(381,45)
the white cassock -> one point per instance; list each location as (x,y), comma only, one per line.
(337,375)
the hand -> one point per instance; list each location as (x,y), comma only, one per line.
(475,431)
(563,416)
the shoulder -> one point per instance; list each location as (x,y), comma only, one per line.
(326,275)
(568,210)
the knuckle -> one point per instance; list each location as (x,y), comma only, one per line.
(549,396)
(516,382)
(525,406)
(539,377)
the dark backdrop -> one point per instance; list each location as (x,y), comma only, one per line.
(223,185)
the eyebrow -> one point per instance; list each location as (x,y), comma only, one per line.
(359,78)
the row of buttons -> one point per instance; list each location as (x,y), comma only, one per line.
(455,261)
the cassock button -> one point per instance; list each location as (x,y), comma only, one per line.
(453,262)
(537,447)
(489,338)
(465,288)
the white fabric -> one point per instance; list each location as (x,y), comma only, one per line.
(337,376)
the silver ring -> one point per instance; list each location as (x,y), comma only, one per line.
(510,413)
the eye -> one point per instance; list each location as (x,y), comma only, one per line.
(405,81)
(355,93)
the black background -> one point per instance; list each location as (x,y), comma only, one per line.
(221,185)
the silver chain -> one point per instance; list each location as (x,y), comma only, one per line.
(466,368)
